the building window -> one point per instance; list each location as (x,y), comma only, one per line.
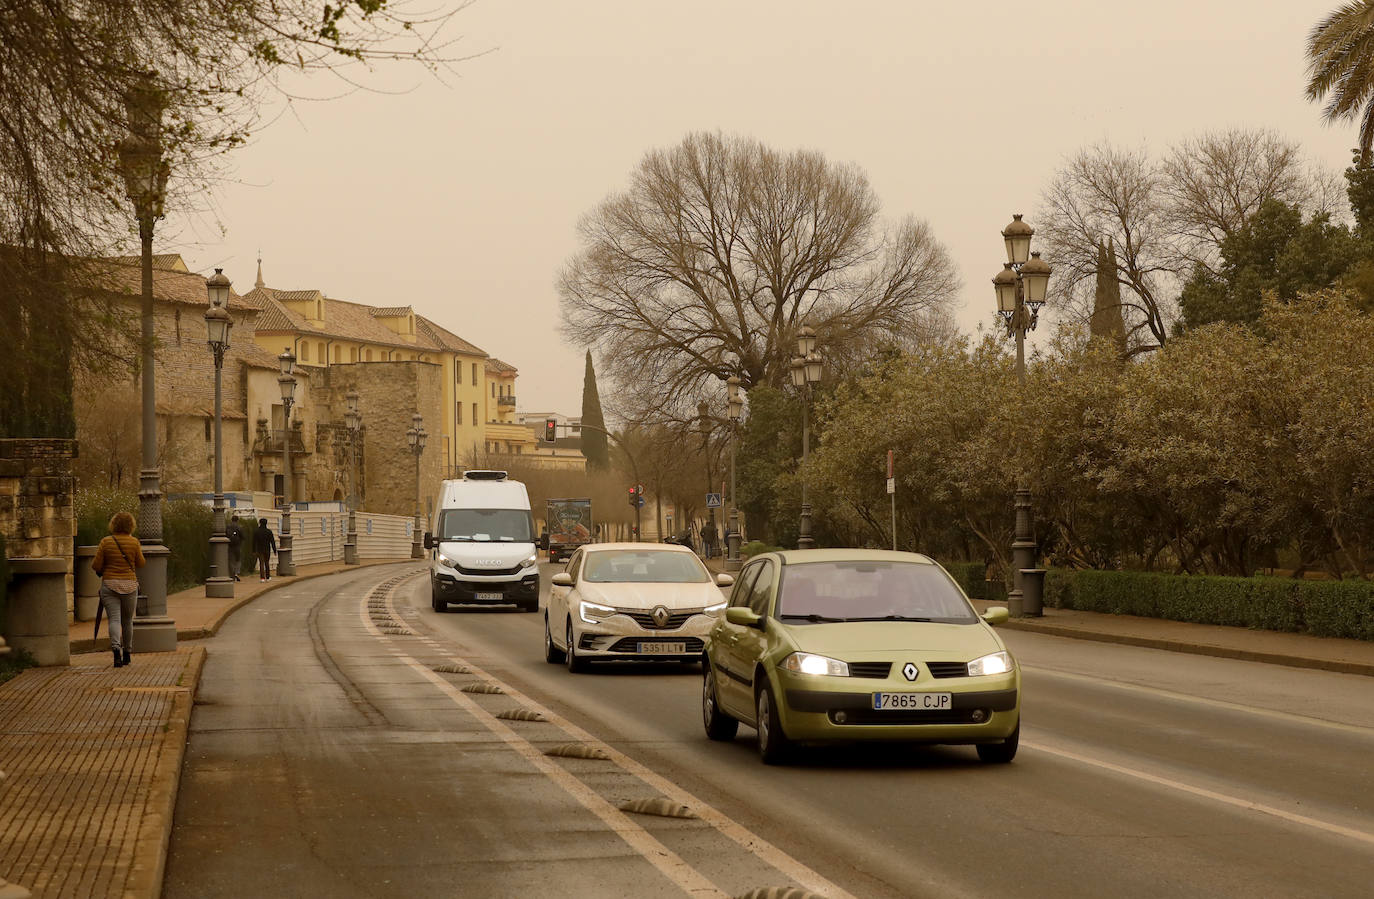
(369,354)
(352,354)
(305,352)
(458,409)
(493,388)
(474,414)
(320,352)
(208,435)
(319,310)
(474,374)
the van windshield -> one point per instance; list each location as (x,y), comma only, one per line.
(486,525)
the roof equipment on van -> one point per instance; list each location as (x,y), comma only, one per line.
(480,474)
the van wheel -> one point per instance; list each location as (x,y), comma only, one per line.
(439,605)
(552,654)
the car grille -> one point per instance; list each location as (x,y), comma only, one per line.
(489,572)
(907,716)
(948,669)
(644,619)
(631,644)
(870,669)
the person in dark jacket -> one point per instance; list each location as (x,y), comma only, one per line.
(264,544)
(235,535)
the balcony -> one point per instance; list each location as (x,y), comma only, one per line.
(503,402)
(272,443)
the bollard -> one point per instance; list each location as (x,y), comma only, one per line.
(1033,592)
(85,584)
(36,617)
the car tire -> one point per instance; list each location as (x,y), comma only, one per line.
(438,603)
(719,726)
(552,654)
(531,606)
(576,664)
(1000,753)
(774,747)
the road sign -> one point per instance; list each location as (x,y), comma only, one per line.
(641,501)
(713,501)
(891,485)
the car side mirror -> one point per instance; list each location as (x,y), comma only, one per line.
(562,579)
(996,615)
(725,580)
(544,542)
(429,540)
(744,617)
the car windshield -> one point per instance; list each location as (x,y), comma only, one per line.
(644,566)
(871,591)
(486,525)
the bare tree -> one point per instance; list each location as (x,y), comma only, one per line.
(708,264)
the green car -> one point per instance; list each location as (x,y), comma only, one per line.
(831,645)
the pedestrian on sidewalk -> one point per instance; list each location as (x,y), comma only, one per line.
(264,544)
(235,535)
(117,560)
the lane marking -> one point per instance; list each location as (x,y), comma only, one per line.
(1203,792)
(726,826)
(669,863)
(1292,717)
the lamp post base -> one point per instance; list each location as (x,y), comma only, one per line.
(154,633)
(350,554)
(219,587)
(220,584)
(286,567)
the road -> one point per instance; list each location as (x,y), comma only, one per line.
(327,756)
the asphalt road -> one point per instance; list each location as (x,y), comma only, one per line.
(329,757)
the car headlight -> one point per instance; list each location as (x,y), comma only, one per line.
(997,663)
(593,612)
(810,663)
(446,561)
(531,559)
(716,609)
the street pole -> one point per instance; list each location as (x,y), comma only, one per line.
(892,495)
(286,567)
(416,436)
(220,583)
(735,404)
(352,421)
(804,540)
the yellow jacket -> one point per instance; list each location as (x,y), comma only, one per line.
(110,564)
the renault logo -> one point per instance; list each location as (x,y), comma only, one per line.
(660,616)
(910,671)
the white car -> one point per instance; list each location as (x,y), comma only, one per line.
(631,601)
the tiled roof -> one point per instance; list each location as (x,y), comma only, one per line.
(499,367)
(171,262)
(124,275)
(446,338)
(389,311)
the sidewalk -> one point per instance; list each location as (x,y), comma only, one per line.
(1273,647)
(92,755)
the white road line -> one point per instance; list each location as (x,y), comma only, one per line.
(1204,793)
(669,863)
(1292,717)
(726,826)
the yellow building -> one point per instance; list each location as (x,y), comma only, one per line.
(323,331)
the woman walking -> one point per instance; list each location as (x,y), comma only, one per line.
(264,544)
(117,560)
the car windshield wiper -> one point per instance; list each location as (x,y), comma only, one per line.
(892,618)
(816,619)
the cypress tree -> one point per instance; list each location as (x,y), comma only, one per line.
(1107,320)
(593,437)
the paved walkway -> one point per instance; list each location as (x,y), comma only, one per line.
(92,756)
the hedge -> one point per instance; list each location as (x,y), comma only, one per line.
(187,525)
(972,578)
(754,547)
(1322,608)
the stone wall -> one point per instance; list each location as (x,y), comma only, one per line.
(36,484)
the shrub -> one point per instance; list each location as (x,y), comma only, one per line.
(186,528)
(754,547)
(1337,608)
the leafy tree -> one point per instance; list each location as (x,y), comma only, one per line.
(770,443)
(710,261)
(593,438)
(1340,63)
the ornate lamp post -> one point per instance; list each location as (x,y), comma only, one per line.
(286,567)
(806,370)
(220,583)
(416,437)
(145,182)
(736,405)
(704,425)
(1021,286)
(353,420)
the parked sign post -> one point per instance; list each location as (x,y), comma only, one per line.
(892,492)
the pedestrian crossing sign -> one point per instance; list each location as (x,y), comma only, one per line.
(713,501)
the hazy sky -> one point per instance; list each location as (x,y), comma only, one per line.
(461,198)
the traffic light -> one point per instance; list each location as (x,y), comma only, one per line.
(550,430)
(634,496)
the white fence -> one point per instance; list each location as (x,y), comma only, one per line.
(319,536)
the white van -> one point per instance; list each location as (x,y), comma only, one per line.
(483,545)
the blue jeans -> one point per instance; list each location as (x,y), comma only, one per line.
(119,609)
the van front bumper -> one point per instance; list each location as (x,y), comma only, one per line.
(520,590)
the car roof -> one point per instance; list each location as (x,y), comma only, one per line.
(797,556)
(602,547)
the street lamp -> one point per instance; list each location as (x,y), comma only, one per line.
(218,323)
(145,182)
(285,566)
(1021,287)
(353,420)
(736,406)
(704,425)
(416,437)
(807,368)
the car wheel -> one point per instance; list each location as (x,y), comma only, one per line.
(1000,753)
(576,664)
(774,747)
(719,726)
(552,654)
(439,604)
(531,606)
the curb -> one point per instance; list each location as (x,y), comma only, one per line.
(1202,649)
(155,828)
(98,644)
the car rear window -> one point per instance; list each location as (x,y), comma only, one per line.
(871,590)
